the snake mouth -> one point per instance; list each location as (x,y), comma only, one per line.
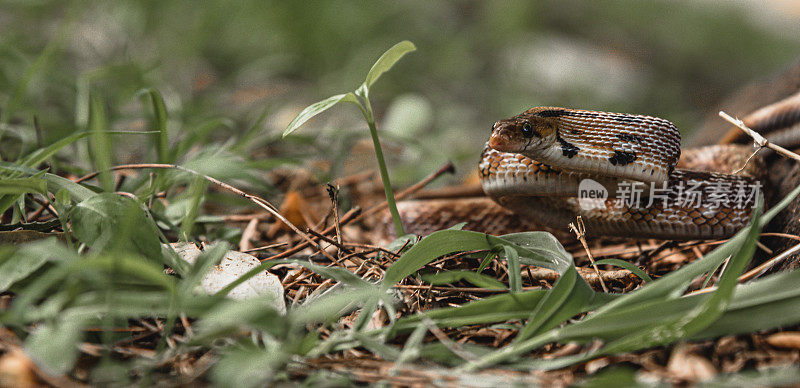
(505,139)
(499,141)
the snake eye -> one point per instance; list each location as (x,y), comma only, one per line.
(527,131)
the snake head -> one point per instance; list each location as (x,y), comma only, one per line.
(523,133)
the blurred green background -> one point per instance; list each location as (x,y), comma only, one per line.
(222,65)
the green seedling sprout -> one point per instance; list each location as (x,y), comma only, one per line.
(360,97)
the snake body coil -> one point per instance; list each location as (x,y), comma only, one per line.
(536,163)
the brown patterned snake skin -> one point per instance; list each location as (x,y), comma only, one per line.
(534,164)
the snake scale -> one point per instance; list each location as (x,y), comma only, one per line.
(536,163)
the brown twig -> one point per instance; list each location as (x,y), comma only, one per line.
(761,141)
(45,205)
(346,218)
(337,244)
(265,247)
(580,233)
(333,193)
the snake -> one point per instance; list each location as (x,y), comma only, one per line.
(536,165)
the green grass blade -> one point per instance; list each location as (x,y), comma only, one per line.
(387,61)
(569,296)
(42,154)
(449,277)
(413,346)
(100,143)
(626,265)
(514,269)
(496,308)
(771,213)
(195,193)
(9,170)
(675,282)
(331,306)
(688,322)
(448,241)
(317,108)
(159,124)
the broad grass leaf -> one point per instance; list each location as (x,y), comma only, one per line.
(441,353)
(27,164)
(76,191)
(387,61)
(759,305)
(429,248)
(18,264)
(45,296)
(772,212)
(12,190)
(17,186)
(629,319)
(108,221)
(54,346)
(448,241)
(40,155)
(247,366)
(540,245)
(215,162)
(613,376)
(134,303)
(317,108)
(330,306)
(229,317)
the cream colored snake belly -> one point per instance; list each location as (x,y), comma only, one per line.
(537,163)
